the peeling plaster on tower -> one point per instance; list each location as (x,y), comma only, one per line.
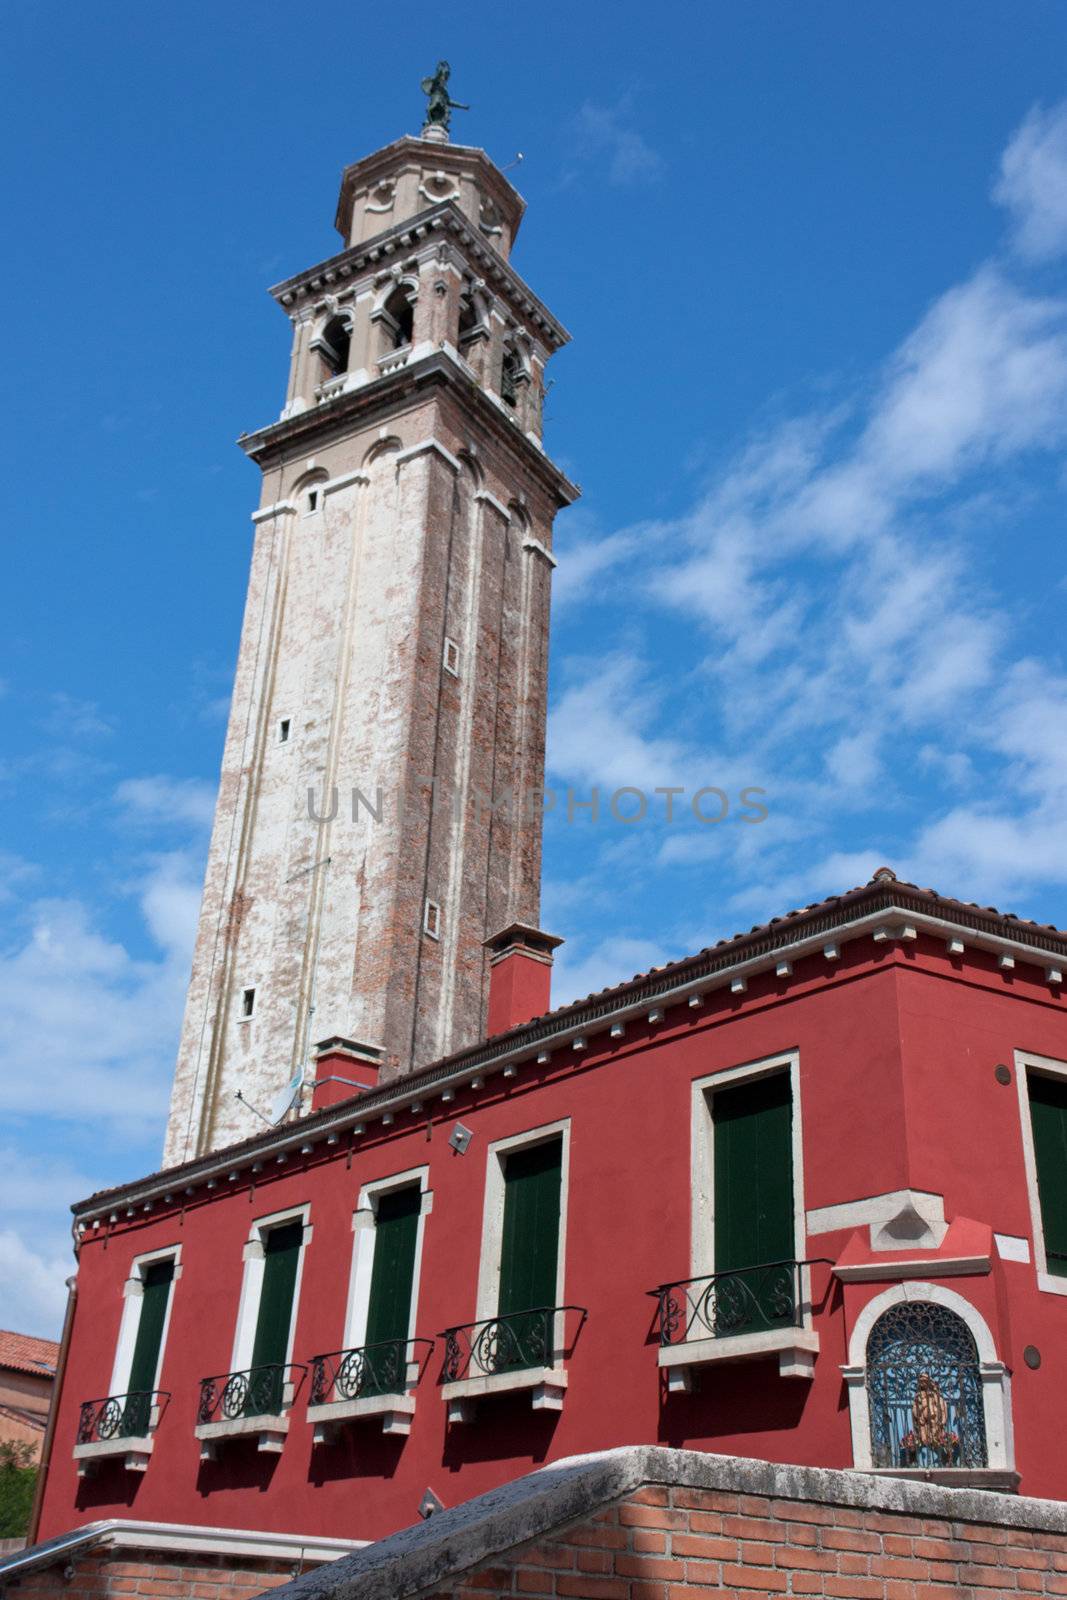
(396,629)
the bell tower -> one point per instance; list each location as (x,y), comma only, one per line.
(379,808)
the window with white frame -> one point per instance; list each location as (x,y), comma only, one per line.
(388,1225)
(135,1377)
(522,1270)
(1042,1085)
(748,1231)
(266,1318)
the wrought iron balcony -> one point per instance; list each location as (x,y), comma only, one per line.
(504,1344)
(369,1369)
(728,1304)
(120,1416)
(257,1392)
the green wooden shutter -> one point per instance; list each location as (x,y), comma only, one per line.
(389,1310)
(1048,1117)
(754,1223)
(271,1346)
(155,1294)
(530,1249)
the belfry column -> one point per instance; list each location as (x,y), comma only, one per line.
(395,632)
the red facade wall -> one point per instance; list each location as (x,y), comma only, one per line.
(897,1048)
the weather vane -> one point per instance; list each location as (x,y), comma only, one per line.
(439,107)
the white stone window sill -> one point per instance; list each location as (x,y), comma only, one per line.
(888,1271)
(1052,1283)
(135,1451)
(268,1431)
(546,1387)
(395,1410)
(796,1349)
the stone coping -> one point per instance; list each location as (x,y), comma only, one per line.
(178,1540)
(453,1541)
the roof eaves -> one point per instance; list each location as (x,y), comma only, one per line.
(847,916)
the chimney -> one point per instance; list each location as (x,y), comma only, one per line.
(520,976)
(344,1069)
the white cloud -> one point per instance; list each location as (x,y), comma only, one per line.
(160,799)
(87,1050)
(983,376)
(585,968)
(32,1286)
(90,1031)
(1032,183)
(608,132)
(70,718)
(853,649)
(13,873)
(585,564)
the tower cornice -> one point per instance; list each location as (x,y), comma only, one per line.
(333,275)
(410,150)
(335,416)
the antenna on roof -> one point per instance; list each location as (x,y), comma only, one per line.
(282,1103)
(518,161)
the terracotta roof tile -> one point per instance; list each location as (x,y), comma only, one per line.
(25,1353)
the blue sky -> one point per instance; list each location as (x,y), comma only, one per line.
(812,256)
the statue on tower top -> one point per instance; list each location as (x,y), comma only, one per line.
(439,106)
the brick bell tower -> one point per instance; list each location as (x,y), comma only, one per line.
(395,631)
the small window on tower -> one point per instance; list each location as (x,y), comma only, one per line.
(248,1004)
(431,919)
(399,318)
(313,500)
(283,731)
(512,373)
(452,657)
(334,341)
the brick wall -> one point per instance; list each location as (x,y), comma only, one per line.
(679,1544)
(88,1575)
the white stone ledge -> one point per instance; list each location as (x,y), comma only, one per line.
(541,550)
(269,1433)
(545,1385)
(279,509)
(796,1349)
(891,1271)
(345,481)
(422,448)
(491,500)
(136,1452)
(395,1410)
(179,1540)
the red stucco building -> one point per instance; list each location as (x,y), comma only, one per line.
(845,1127)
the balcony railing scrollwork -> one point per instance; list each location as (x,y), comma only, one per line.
(522,1339)
(120,1416)
(370,1369)
(257,1392)
(729,1304)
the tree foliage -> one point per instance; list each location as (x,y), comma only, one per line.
(18,1478)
